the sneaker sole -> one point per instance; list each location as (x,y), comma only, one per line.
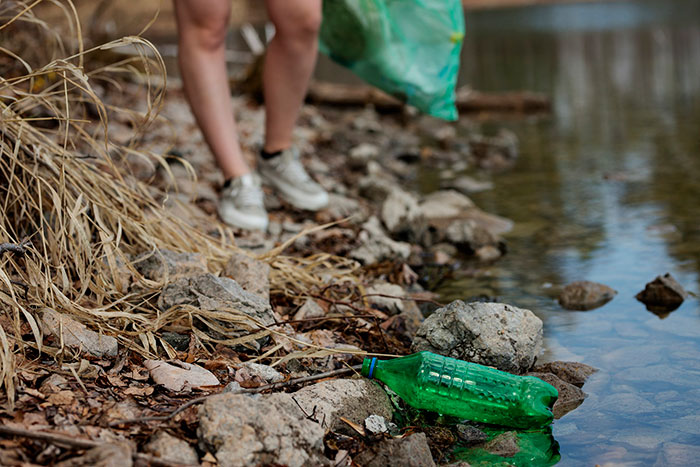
(243,221)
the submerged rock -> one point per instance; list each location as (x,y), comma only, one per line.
(585,295)
(469,435)
(662,294)
(504,445)
(410,451)
(77,336)
(493,334)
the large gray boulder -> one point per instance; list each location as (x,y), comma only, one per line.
(493,334)
(286,428)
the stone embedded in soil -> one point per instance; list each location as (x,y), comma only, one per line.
(386,297)
(106,455)
(353,399)
(255,374)
(209,292)
(572,372)
(375,187)
(375,424)
(410,451)
(156,265)
(360,155)
(585,295)
(167,446)
(251,274)
(662,294)
(76,335)
(469,435)
(493,334)
(310,309)
(286,428)
(376,246)
(402,216)
(179,376)
(570,396)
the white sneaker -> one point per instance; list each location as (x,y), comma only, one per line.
(241,204)
(287,175)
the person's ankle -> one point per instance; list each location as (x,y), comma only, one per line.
(267,155)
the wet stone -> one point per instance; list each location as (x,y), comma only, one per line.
(626,403)
(662,294)
(585,295)
(504,445)
(469,435)
(572,372)
(676,454)
(569,398)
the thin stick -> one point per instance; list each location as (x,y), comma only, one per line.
(283,384)
(55,438)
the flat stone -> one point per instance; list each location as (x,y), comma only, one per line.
(209,292)
(159,264)
(585,295)
(179,375)
(258,373)
(662,294)
(251,274)
(77,336)
(173,449)
(572,372)
(376,424)
(467,185)
(410,451)
(570,396)
(492,334)
(445,204)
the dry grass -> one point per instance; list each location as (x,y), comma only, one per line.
(62,191)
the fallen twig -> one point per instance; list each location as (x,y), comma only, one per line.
(20,248)
(55,438)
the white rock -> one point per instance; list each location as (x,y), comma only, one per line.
(177,378)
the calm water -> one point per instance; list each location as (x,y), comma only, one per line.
(605,189)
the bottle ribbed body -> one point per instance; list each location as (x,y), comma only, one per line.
(468,390)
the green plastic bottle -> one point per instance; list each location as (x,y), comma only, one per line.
(466,390)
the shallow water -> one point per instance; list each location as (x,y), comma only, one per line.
(605,189)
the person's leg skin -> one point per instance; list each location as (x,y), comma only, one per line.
(202,26)
(290,61)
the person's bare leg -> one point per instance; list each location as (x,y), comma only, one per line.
(202,26)
(290,61)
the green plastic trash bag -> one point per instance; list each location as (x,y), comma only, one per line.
(407,48)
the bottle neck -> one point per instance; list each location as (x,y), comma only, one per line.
(369,367)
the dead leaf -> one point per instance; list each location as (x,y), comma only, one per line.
(137,391)
(116,380)
(61,398)
(359,428)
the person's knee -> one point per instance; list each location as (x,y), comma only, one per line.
(207,35)
(301,30)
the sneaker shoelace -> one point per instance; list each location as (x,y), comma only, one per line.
(249,197)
